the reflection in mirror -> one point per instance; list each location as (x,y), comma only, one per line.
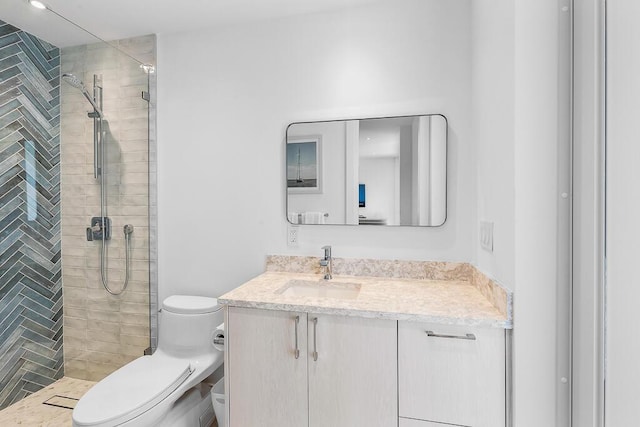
(387,171)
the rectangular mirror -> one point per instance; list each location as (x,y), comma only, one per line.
(384,171)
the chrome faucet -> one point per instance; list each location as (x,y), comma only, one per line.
(327,262)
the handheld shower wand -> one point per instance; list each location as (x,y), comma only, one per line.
(77,83)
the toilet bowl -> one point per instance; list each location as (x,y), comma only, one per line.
(164,388)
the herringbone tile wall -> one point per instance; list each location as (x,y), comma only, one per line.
(31,354)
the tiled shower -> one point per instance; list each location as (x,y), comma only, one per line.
(103,332)
(30,264)
(55,317)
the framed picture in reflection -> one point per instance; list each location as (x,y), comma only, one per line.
(304,164)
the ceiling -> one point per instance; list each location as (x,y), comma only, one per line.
(117,19)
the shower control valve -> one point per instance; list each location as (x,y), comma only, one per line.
(98,229)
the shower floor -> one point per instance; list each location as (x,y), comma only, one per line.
(32,410)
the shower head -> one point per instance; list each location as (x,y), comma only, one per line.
(73,81)
(77,83)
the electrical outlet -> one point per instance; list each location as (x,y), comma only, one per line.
(486,236)
(292,235)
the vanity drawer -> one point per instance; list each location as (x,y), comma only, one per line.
(451,374)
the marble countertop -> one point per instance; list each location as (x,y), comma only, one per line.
(453,302)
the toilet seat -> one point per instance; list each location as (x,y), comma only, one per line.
(131,390)
(187,304)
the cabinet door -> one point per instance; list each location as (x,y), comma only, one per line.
(448,379)
(353,382)
(267,383)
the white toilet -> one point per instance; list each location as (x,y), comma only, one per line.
(163,389)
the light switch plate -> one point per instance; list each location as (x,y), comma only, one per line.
(486,236)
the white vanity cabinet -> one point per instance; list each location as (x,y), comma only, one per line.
(267,384)
(353,382)
(450,375)
(345,373)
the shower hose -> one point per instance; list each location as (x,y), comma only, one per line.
(128,230)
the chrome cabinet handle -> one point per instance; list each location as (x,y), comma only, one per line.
(315,347)
(470,337)
(297,352)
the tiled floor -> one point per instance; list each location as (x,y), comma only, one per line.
(31,411)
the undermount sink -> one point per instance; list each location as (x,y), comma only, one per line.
(320,289)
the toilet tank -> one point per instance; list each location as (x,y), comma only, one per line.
(187,324)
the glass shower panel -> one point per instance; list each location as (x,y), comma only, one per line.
(104,331)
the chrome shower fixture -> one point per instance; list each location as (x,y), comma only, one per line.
(77,83)
(100,228)
(96,115)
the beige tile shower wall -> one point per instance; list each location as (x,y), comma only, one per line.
(103,332)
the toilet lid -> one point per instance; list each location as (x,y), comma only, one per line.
(189,304)
(130,391)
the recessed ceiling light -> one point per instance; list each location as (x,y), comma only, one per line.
(37,4)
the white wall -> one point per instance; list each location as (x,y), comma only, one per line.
(588,216)
(623,209)
(518,128)
(493,132)
(226,96)
(541,90)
